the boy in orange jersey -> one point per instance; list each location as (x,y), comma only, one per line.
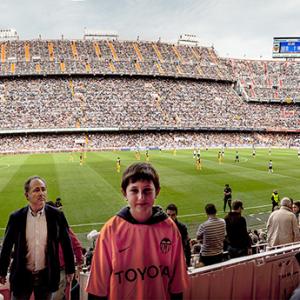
(139,253)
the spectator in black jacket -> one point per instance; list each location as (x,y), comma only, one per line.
(172,212)
(238,239)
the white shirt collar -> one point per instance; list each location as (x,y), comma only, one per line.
(39,213)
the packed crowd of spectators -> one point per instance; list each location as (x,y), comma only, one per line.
(123,103)
(168,140)
(260,80)
(268,80)
(110,57)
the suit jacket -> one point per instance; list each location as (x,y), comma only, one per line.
(15,236)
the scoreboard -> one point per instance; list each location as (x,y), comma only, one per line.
(286,47)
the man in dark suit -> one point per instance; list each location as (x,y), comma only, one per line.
(35,232)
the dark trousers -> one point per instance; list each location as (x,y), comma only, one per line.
(38,284)
(237,252)
(274,204)
(225,203)
(210,260)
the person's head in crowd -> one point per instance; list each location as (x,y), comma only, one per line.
(237,206)
(51,203)
(58,203)
(140,186)
(262,236)
(35,191)
(210,209)
(172,211)
(195,246)
(253,237)
(286,202)
(296,207)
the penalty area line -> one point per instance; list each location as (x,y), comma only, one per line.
(87,224)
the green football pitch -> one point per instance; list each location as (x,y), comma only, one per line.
(91,192)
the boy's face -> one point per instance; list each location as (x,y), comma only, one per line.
(141,196)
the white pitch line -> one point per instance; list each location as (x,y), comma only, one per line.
(269,205)
(5,166)
(180,216)
(78,225)
(201,214)
(88,224)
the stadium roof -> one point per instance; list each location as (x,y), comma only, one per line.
(236,28)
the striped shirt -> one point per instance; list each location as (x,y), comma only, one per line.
(212,233)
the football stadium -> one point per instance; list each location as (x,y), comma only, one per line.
(79,112)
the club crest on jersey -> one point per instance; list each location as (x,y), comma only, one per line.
(165,245)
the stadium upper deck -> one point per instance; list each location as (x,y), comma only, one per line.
(267,81)
(271,81)
(56,57)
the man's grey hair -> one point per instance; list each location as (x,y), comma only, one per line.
(286,202)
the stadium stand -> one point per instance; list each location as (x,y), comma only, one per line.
(112,86)
(123,94)
(137,103)
(57,57)
(267,81)
(53,142)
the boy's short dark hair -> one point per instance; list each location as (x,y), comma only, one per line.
(172,207)
(140,171)
(210,209)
